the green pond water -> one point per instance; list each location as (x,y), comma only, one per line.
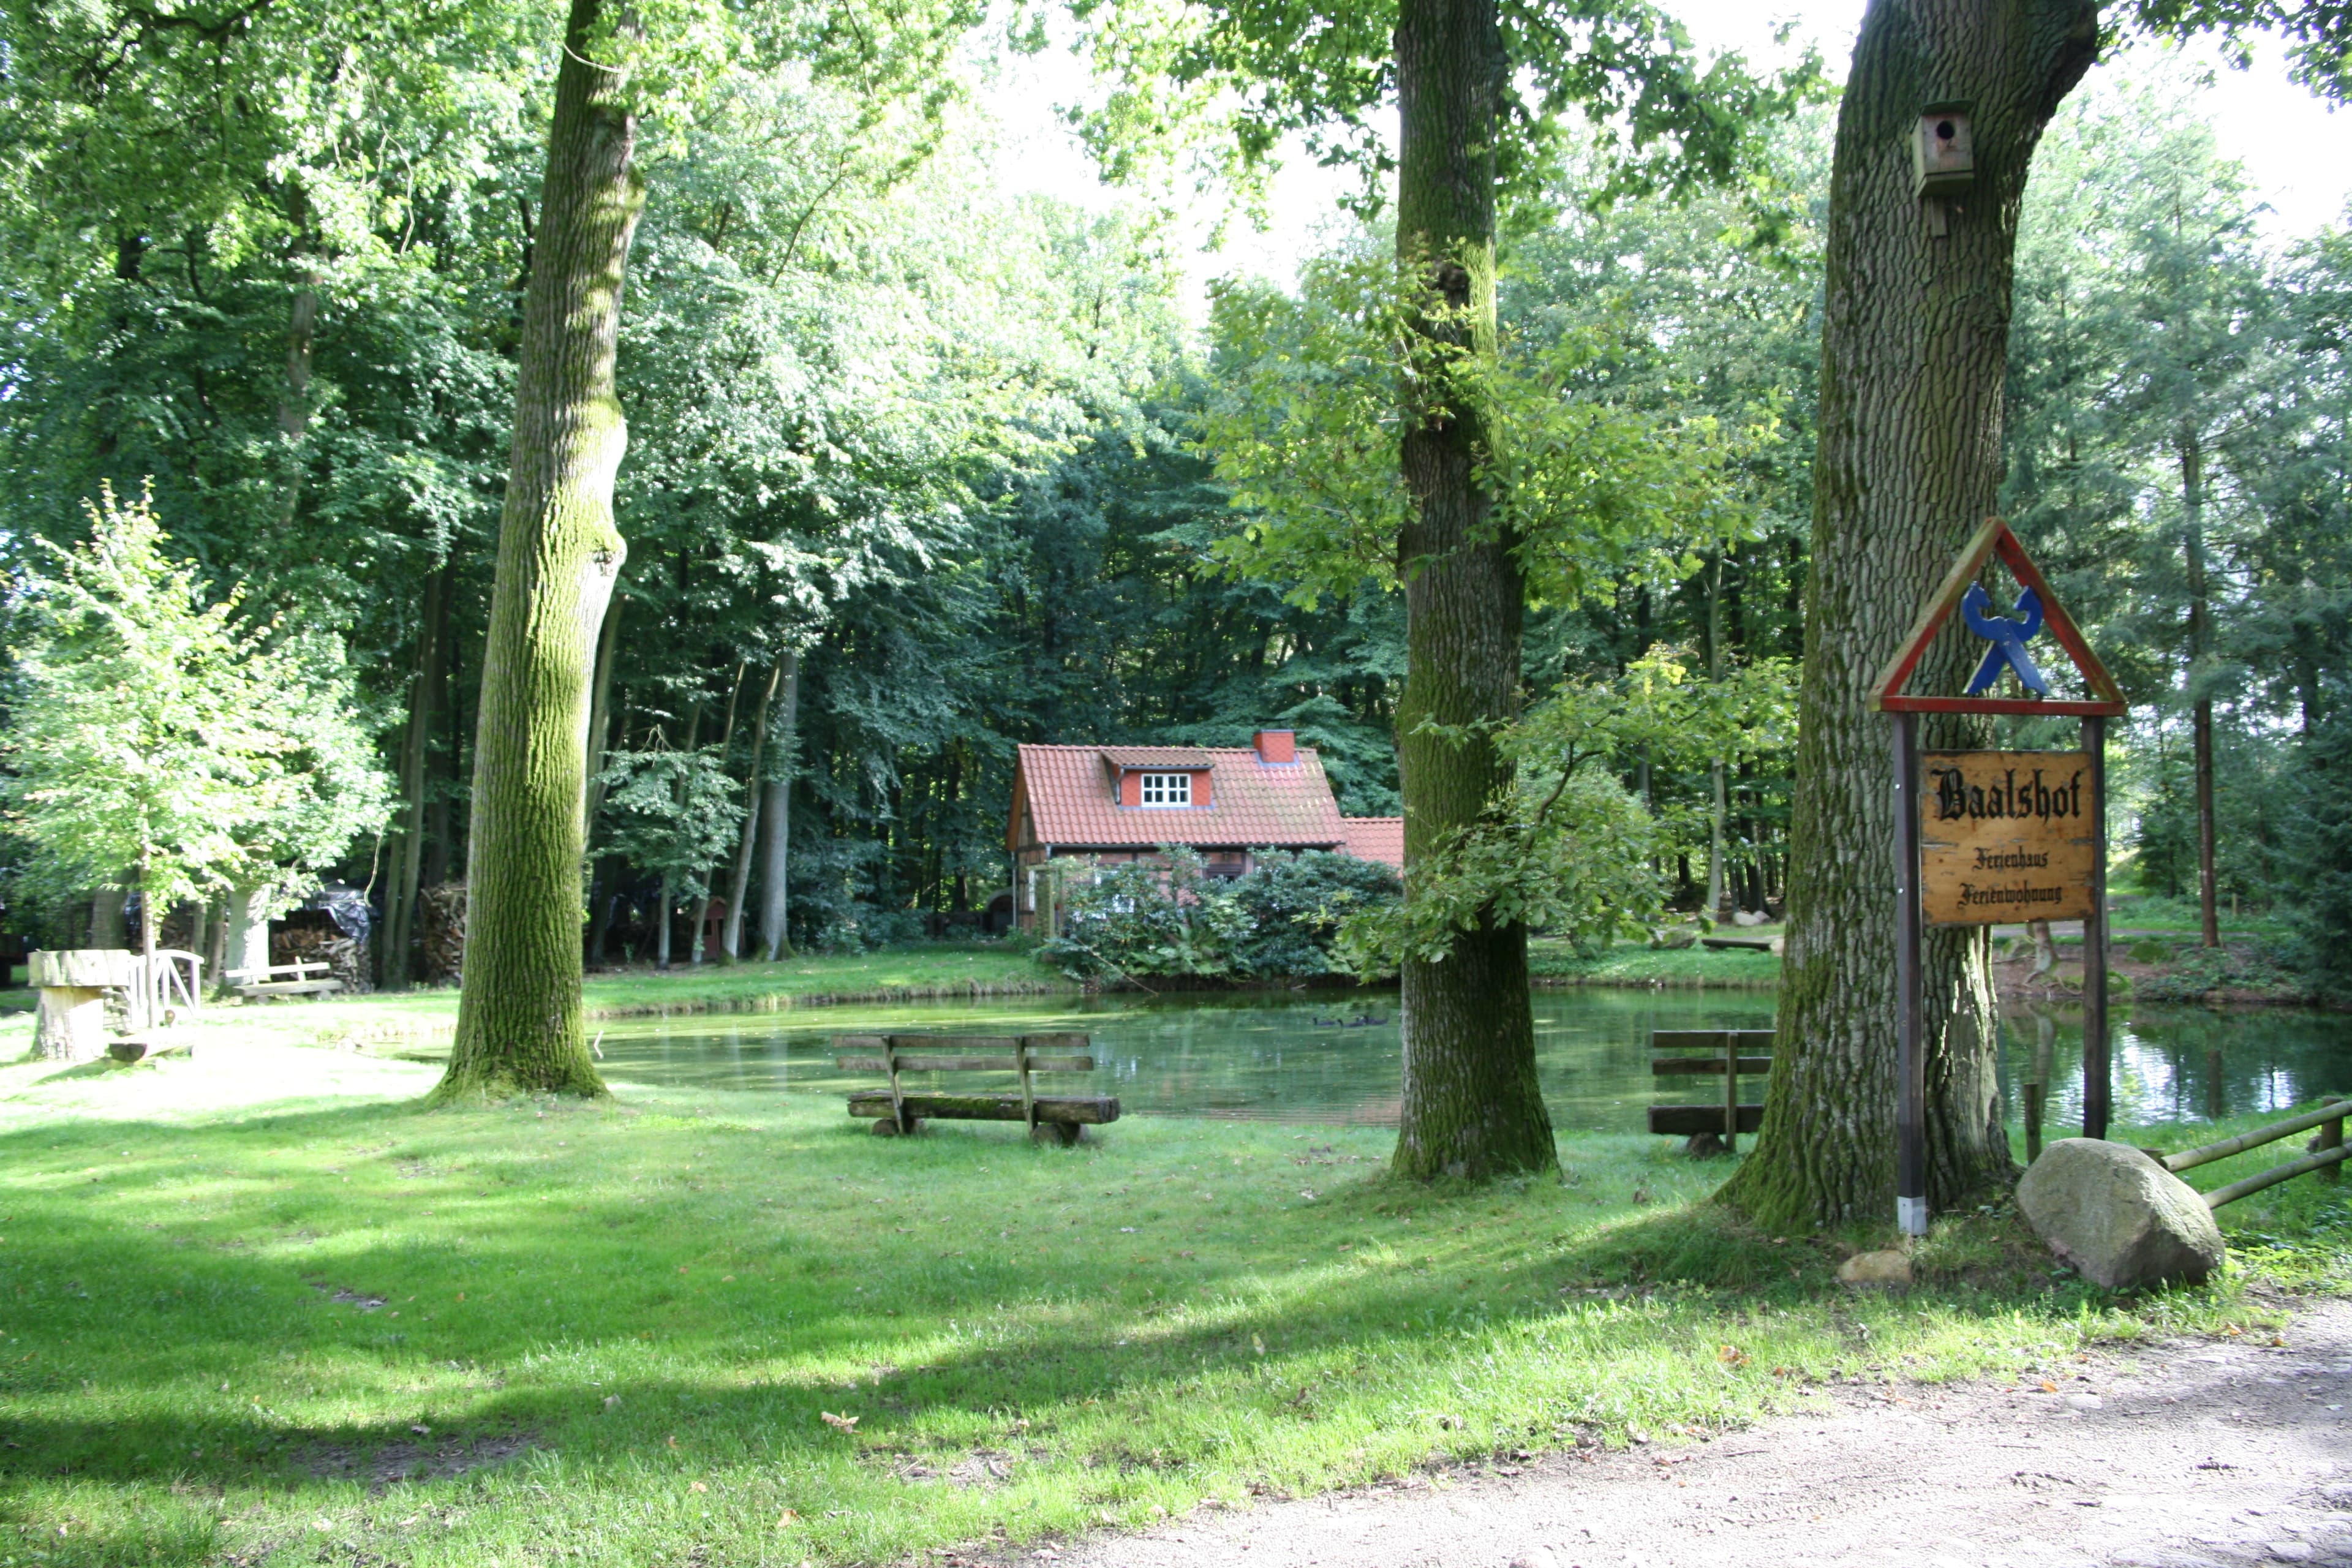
(1283,1060)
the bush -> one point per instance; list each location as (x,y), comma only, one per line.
(1143,917)
(1295,905)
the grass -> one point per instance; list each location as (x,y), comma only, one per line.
(925,971)
(250,1291)
(1553,960)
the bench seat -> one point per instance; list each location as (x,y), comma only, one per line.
(290,988)
(1690,1120)
(1072,1109)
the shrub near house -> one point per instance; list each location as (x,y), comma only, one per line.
(1167,916)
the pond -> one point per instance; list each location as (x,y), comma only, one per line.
(1334,1057)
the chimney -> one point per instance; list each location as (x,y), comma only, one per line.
(1276,746)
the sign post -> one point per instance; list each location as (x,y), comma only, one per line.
(1985,836)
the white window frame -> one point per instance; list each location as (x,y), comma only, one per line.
(1166,792)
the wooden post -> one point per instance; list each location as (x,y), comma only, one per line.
(1911,1067)
(1731,1091)
(897,1098)
(1028,1099)
(2331,1136)
(2097,1083)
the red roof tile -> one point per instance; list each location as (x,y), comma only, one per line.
(1376,838)
(1071,795)
(1158,756)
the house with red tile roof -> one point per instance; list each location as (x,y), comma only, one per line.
(1122,803)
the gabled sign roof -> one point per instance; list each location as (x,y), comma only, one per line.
(1889,696)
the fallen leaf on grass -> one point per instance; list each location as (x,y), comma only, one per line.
(1730,1355)
(696,1487)
(787,1519)
(838,1423)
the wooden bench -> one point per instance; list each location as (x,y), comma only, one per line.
(1731,1054)
(1058,1118)
(263,981)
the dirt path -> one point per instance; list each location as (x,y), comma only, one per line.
(2177,1456)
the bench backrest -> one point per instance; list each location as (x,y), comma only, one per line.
(1023,1054)
(1729,1052)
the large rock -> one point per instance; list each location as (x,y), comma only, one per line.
(2119,1218)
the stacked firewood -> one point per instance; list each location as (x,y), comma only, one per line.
(441,930)
(321,944)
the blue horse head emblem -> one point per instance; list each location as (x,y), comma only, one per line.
(2008,638)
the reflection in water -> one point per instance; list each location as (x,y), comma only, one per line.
(1269,1059)
(2177,1064)
(1252,1057)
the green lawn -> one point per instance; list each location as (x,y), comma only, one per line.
(927,972)
(251,1290)
(1554,961)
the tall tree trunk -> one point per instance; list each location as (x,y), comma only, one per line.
(424,711)
(776,825)
(215,951)
(2201,650)
(739,887)
(249,929)
(520,1018)
(151,917)
(1719,884)
(726,739)
(441,776)
(294,402)
(599,712)
(106,925)
(661,921)
(1909,462)
(1471,1105)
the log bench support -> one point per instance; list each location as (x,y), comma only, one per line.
(1729,1058)
(895,1110)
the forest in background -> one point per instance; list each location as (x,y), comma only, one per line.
(918,471)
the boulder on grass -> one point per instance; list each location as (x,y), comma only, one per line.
(2119,1218)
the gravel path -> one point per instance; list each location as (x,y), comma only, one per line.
(2178,1456)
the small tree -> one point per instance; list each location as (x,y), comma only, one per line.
(157,737)
(1147,918)
(1297,905)
(674,813)
(1564,846)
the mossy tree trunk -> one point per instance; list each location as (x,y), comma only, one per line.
(1914,354)
(394,972)
(519,1019)
(1472,1104)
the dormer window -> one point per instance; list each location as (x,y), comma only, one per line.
(1167,791)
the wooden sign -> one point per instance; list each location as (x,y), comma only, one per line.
(2007,836)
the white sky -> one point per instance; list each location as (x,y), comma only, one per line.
(2279,132)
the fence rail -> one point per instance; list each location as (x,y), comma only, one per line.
(2328,1158)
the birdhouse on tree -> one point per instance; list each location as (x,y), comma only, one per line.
(1943,154)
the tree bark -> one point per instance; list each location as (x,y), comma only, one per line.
(739,887)
(424,711)
(776,825)
(599,712)
(1719,884)
(2201,649)
(248,929)
(1471,1105)
(106,925)
(521,1025)
(695,942)
(1909,462)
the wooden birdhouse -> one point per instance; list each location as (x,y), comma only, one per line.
(1943,156)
